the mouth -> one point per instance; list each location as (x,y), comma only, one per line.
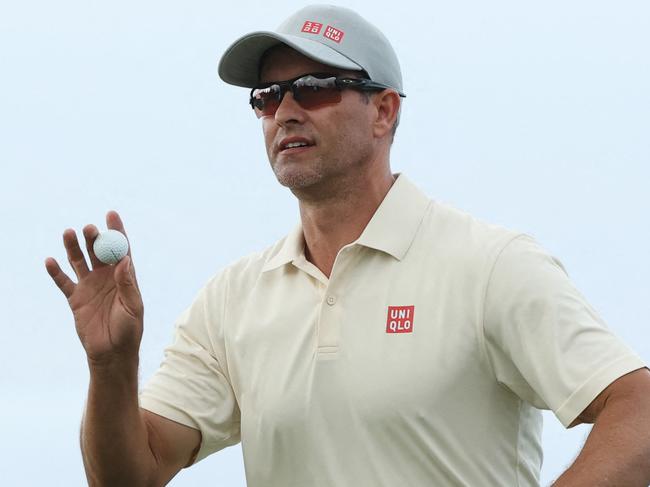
(294,145)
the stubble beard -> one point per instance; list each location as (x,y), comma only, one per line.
(296,175)
(323,172)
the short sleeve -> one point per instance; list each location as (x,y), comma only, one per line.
(544,341)
(192,385)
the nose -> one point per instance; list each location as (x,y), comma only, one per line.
(289,110)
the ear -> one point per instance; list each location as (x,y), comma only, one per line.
(387,103)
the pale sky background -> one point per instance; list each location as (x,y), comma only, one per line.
(531,115)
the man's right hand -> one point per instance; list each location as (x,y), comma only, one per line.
(106,302)
(122,444)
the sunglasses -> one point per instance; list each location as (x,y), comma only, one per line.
(309,90)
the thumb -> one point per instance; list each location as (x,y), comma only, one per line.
(127,288)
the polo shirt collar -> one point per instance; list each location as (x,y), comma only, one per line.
(391,229)
(291,250)
(393,226)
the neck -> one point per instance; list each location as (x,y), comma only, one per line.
(333,222)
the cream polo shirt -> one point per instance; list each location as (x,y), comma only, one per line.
(421,361)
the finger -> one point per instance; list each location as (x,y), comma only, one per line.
(113,221)
(63,282)
(90,234)
(127,287)
(75,255)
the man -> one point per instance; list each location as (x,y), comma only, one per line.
(388,340)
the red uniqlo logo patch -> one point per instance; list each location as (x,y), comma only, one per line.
(311,27)
(400,319)
(333,34)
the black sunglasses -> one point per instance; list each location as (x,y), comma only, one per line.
(309,90)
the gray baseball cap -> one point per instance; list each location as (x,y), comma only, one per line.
(329,34)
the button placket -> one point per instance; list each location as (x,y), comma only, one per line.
(331,314)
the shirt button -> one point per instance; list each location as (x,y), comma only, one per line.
(331,300)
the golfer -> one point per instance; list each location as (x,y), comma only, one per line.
(388,340)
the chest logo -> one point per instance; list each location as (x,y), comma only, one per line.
(400,319)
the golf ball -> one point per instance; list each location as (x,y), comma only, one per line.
(110,246)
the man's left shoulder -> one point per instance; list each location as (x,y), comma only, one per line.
(460,232)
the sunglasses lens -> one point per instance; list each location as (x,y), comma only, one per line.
(266,100)
(311,92)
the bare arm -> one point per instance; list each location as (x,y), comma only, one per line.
(617,451)
(114,439)
(122,445)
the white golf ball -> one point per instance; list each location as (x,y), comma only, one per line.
(110,246)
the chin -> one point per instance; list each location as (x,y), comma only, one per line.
(296,179)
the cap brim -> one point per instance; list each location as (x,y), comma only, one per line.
(239,65)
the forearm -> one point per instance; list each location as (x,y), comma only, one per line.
(114,438)
(617,451)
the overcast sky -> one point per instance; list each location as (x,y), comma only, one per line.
(531,115)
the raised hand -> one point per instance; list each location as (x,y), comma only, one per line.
(106,302)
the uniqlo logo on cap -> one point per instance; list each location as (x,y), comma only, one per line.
(333,34)
(311,27)
(400,319)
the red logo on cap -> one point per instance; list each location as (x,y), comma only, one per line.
(311,27)
(333,34)
(400,319)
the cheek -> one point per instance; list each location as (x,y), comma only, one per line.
(269,129)
(354,125)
